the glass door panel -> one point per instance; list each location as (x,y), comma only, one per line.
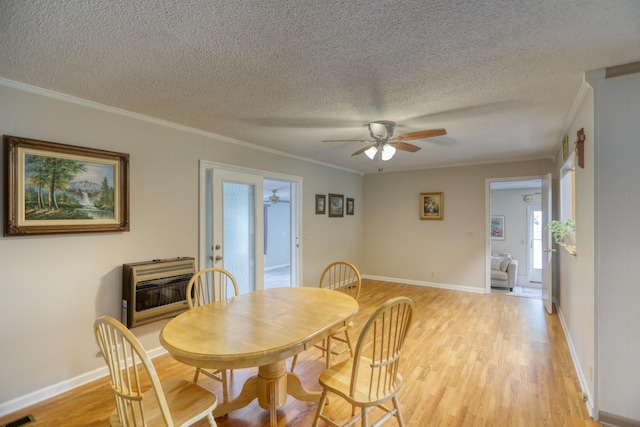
(237,220)
(535,244)
(239,233)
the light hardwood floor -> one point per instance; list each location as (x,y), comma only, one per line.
(469,360)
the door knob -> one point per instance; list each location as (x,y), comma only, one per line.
(548,250)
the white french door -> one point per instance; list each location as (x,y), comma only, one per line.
(232,225)
(237,223)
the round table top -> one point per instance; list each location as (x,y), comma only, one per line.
(257,328)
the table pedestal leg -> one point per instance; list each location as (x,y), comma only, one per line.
(270,386)
(247,395)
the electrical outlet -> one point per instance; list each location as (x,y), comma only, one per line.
(469,233)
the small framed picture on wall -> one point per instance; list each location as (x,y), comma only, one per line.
(431,205)
(350,207)
(336,205)
(321,203)
(497,227)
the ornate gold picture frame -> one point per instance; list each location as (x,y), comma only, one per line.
(432,205)
(57,188)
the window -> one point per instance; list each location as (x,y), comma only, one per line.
(567,189)
(567,209)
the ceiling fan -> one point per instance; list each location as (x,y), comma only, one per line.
(274,198)
(385,144)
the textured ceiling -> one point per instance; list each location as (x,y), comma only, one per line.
(500,76)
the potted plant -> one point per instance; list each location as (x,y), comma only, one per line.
(561,229)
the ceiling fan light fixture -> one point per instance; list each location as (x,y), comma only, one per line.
(274,198)
(388,151)
(371,152)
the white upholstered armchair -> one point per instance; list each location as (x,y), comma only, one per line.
(504,271)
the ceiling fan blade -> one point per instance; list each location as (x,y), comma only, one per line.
(405,147)
(345,140)
(362,150)
(419,135)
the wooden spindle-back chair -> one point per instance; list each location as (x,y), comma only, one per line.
(371,377)
(205,287)
(343,277)
(141,399)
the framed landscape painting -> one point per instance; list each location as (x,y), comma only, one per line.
(57,188)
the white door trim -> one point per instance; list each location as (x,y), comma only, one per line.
(487,216)
(206,168)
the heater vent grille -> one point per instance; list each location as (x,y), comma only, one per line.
(20,421)
(155,290)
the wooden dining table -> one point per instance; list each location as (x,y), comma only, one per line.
(263,329)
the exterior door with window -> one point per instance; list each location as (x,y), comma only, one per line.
(236,242)
(232,225)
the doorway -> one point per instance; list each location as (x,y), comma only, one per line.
(278,234)
(516,203)
(250,219)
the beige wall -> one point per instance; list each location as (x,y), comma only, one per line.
(400,246)
(616,204)
(53,287)
(574,289)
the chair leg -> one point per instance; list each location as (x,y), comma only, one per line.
(321,403)
(212,421)
(195,377)
(365,417)
(346,334)
(293,362)
(328,347)
(396,405)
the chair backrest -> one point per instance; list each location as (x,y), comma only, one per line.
(130,371)
(210,285)
(342,276)
(379,348)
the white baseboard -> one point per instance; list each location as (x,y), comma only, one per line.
(576,363)
(427,284)
(61,387)
(611,420)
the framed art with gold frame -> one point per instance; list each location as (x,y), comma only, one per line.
(432,205)
(53,188)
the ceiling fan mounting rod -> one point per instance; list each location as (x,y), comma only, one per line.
(382,129)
